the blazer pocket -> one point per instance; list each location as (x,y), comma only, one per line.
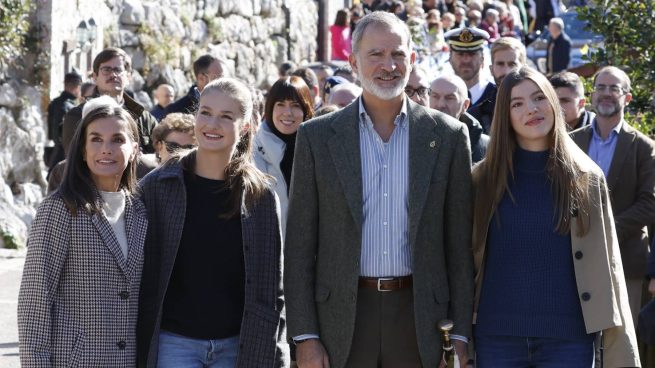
(78,348)
(321,293)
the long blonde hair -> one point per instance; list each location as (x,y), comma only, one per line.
(569,182)
(245,181)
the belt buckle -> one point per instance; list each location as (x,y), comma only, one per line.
(380,283)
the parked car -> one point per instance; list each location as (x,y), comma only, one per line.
(583,42)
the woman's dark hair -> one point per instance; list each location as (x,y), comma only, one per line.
(289,88)
(78,189)
(341,19)
(247,184)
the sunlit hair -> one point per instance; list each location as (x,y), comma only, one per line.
(78,189)
(289,88)
(508,43)
(245,181)
(174,122)
(379,19)
(568,181)
(625,79)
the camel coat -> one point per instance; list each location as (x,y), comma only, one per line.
(598,270)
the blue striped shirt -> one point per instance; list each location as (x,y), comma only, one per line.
(385,180)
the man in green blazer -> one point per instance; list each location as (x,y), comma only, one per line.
(378,241)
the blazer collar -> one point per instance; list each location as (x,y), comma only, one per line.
(424,149)
(135,230)
(346,155)
(624,141)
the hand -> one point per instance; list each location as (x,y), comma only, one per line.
(651,287)
(311,354)
(461,348)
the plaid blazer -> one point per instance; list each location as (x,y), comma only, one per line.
(78,299)
(262,340)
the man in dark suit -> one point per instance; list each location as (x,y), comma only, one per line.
(546,9)
(57,109)
(558,54)
(206,68)
(627,157)
(379,232)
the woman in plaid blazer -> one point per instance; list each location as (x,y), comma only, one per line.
(211,294)
(78,299)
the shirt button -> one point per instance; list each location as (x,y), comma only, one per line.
(124,295)
(384,223)
(586,296)
(385,252)
(385,166)
(121,345)
(578,255)
(385,194)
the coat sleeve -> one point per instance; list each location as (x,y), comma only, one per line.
(301,242)
(620,342)
(457,228)
(642,212)
(71,121)
(46,253)
(282,357)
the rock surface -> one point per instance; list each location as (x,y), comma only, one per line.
(163,37)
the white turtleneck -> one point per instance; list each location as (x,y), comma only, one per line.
(114,210)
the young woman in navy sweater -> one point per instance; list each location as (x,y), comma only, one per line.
(548,268)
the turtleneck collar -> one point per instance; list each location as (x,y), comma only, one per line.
(286,138)
(530,161)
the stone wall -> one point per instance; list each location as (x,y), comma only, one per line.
(163,37)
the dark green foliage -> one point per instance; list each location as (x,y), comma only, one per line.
(629,31)
(14,25)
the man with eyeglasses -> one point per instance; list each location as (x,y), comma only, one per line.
(449,95)
(206,69)
(418,86)
(627,157)
(111,71)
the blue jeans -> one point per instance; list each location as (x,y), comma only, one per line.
(532,352)
(177,351)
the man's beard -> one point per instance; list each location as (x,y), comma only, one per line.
(608,110)
(382,92)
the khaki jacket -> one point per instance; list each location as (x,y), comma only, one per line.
(598,271)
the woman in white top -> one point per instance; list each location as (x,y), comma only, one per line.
(288,104)
(78,299)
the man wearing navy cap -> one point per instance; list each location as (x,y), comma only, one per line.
(467,58)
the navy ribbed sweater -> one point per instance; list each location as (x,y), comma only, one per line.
(529,284)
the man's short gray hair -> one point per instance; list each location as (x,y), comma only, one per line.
(381,19)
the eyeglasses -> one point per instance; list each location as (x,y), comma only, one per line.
(421,91)
(107,70)
(613,89)
(172,147)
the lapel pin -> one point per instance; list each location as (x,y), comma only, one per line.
(433,144)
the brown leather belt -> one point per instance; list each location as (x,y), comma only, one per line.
(386,283)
